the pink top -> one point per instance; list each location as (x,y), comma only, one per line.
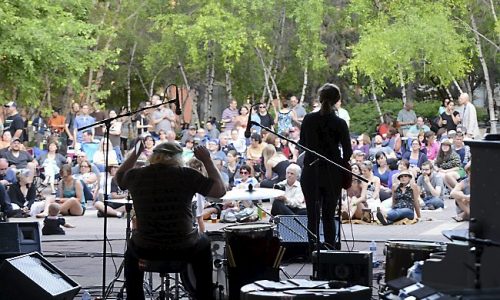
(432,151)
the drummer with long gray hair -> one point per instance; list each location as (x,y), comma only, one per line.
(162,194)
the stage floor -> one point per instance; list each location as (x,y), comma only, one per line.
(79,253)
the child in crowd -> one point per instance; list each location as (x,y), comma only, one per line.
(52,223)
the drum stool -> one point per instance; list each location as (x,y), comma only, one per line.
(164,268)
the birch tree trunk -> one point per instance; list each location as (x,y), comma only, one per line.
(491,104)
(229,85)
(304,85)
(153,81)
(210,89)
(457,85)
(266,77)
(207,100)
(129,70)
(377,105)
(403,87)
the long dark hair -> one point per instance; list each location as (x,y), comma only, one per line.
(329,94)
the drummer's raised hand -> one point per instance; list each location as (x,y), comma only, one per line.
(201,153)
(139,146)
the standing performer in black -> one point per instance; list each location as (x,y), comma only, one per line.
(162,193)
(327,134)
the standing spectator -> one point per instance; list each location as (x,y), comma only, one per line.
(442,108)
(56,122)
(14,123)
(69,127)
(98,115)
(299,110)
(82,120)
(39,128)
(142,119)
(126,131)
(229,115)
(450,118)
(242,118)
(431,186)
(342,113)
(468,115)
(406,118)
(162,117)
(265,119)
(284,117)
(115,131)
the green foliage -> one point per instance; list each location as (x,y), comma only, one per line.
(365,118)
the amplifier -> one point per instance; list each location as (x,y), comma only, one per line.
(298,234)
(31,276)
(353,267)
(19,238)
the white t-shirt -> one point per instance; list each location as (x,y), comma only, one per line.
(344,115)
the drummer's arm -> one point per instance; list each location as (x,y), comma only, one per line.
(217,190)
(128,164)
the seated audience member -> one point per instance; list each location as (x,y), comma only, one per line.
(245,178)
(22,193)
(352,208)
(275,164)
(211,129)
(431,187)
(382,171)
(89,145)
(114,192)
(447,160)
(224,142)
(188,150)
(418,127)
(7,175)
(52,223)
(232,167)
(292,203)
(162,137)
(238,143)
(19,158)
(80,157)
(225,177)
(451,178)
(378,147)
(70,195)
(51,162)
(370,193)
(5,141)
(202,136)
(405,201)
(358,156)
(89,179)
(431,146)
(254,151)
(403,165)
(415,156)
(105,149)
(393,141)
(461,194)
(202,208)
(363,144)
(188,134)
(149,145)
(215,151)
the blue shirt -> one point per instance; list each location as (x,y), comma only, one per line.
(82,121)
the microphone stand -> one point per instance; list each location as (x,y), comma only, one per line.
(107,124)
(319,157)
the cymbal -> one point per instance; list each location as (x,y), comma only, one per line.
(120,201)
(255,194)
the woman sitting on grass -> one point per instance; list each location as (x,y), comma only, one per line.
(405,201)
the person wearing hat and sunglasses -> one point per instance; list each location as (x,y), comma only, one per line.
(14,122)
(162,193)
(405,201)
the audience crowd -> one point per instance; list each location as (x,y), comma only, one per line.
(411,164)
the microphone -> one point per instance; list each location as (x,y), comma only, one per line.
(178,110)
(249,124)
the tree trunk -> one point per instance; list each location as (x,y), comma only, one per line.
(48,91)
(304,85)
(229,85)
(266,76)
(491,104)
(129,70)
(141,81)
(403,88)
(457,86)
(210,89)
(377,105)
(493,12)
(66,98)
(153,81)
(194,107)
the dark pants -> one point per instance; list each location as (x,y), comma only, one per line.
(5,204)
(199,256)
(280,208)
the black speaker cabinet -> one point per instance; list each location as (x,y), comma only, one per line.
(19,238)
(31,276)
(353,267)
